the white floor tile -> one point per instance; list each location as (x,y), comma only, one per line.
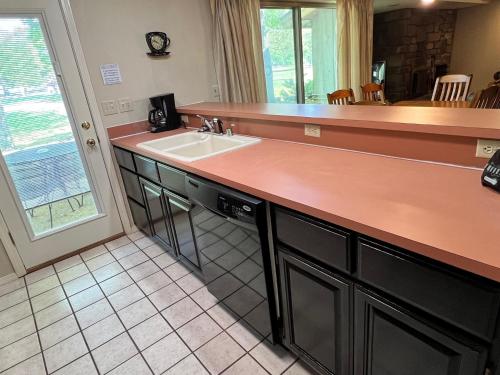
(48,298)
(137,313)
(199,331)
(13,298)
(154,282)
(273,358)
(68,263)
(94,252)
(31,366)
(14,313)
(57,332)
(189,365)
(116,283)
(164,260)
(65,352)
(150,331)
(181,312)
(133,260)
(114,353)
(244,335)
(299,368)
(17,331)
(190,283)
(219,353)
(79,284)
(125,297)
(153,251)
(73,273)
(222,315)
(144,242)
(143,270)
(11,286)
(134,366)
(19,351)
(82,366)
(43,285)
(167,296)
(135,236)
(125,251)
(33,277)
(246,366)
(103,331)
(155,355)
(107,271)
(100,261)
(94,313)
(52,314)
(115,244)
(86,297)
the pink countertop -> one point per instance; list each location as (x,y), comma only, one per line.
(468,122)
(436,210)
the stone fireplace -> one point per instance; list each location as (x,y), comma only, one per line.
(416,45)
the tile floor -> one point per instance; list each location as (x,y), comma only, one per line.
(127,307)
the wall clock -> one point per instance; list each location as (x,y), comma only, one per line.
(158,43)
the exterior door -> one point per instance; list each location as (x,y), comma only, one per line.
(55,192)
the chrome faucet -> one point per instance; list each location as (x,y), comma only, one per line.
(206,126)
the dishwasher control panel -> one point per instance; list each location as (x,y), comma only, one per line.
(235,208)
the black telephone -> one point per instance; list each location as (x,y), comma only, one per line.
(491,173)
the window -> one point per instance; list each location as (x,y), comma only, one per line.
(299,46)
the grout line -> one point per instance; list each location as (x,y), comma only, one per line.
(78,324)
(37,332)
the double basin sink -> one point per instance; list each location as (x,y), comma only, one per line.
(195,146)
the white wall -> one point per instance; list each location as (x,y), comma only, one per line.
(476,44)
(112,31)
(5,265)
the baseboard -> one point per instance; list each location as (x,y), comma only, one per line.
(8,278)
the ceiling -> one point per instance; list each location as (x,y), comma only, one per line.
(381,6)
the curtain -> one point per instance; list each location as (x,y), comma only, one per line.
(239,63)
(355,43)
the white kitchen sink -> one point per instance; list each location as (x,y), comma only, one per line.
(194,146)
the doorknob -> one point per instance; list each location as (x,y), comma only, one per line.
(91,142)
(86,125)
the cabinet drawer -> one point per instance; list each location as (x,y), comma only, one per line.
(173,179)
(146,167)
(468,303)
(131,184)
(322,242)
(124,158)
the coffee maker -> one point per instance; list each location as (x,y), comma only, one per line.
(163,116)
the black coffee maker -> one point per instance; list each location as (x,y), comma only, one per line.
(163,116)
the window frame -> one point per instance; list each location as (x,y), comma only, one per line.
(296,8)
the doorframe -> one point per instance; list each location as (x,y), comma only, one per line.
(102,135)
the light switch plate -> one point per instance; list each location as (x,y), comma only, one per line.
(109,107)
(486,148)
(312,130)
(125,105)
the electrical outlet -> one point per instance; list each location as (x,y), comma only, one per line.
(109,107)
(125,105)
(215,91)
(312,130)
(486,148)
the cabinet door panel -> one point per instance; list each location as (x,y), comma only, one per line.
(140,216)
(388,341)
(158,213)
(131,185)
(316,315)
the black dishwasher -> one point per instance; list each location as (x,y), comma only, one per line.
(231,234)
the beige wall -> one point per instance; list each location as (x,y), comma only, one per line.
(476,45)
(5,266)
(112,31)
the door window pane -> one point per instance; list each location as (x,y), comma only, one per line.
(318,51)
(36,139)
(279,55)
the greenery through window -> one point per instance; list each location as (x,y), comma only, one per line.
(299,46)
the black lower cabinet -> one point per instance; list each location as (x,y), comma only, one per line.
(389,341)
(315,314)
(140,216)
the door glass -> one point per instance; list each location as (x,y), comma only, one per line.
(36,139)
(279,55)
(318,51)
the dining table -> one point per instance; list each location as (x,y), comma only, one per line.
(433,103)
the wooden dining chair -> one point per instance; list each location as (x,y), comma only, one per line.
(451,87)
(341,97)
(489,98)
(373,92)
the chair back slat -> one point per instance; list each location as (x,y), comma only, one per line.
(451,87)
(341,97)
(373,92)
